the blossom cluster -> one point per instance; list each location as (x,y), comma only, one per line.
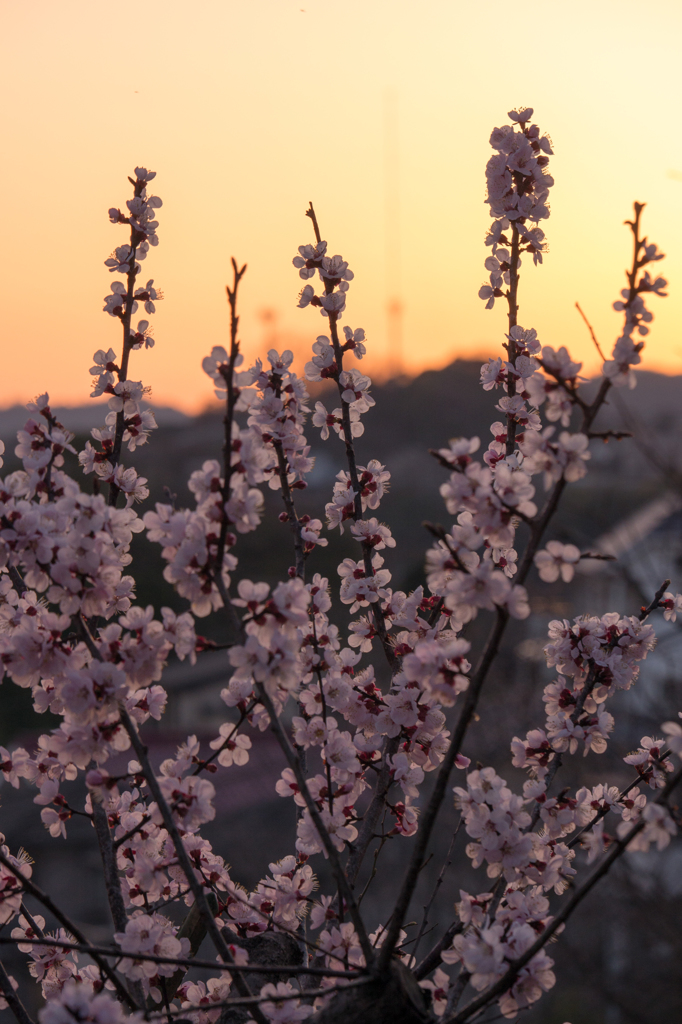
(498,822)
(127,422)
(626,351)
(71,632)
(518,187)
(494,936)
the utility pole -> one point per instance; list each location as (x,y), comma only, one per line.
(394,305)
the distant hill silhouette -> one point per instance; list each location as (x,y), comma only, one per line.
(408,419)
(416,414)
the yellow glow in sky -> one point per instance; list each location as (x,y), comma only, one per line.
(249,110)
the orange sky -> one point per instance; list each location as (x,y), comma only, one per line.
(247,110)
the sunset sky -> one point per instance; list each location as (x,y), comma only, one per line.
(248,110)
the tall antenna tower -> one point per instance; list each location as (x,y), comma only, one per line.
(394,305)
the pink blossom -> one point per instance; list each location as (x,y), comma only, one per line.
(282,1011)
(557,559)
(77,1003)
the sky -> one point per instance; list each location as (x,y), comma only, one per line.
(249,110)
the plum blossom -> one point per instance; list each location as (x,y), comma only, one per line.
(556,560)
(438,987)
(672,603)
(78,1003)
(149,934)
(355,341)
(651,762)
(673,732)
(282,1011)
(309,259)
(493,373)
(518,189)
(233,749)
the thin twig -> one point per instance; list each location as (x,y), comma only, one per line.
(512,317)
(439,881)
(592,334)
(371,816)
(310,212)
(32,889)
(601,813)
(606,435)
(232,395)
(174,961)
(347,433)
(228,739)
(256,1000)
(126,344)
(432,958)
(288,498)
(12,999)
(656,603)
(17,580)
(32,923)
(132,831)
(373,872)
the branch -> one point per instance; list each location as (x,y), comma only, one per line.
(100,820)
(586,691)
(537,528)
(183,859)
(231,400)
(332,853)
(432,958)
(377,613)
(310,212)
(126,317)
(212,965)
(605,435)
(656,601)
(292,515)
(32,889)
(371,815)
(439,881)
(193,928)
(256,1000)
(540,524)
(457,990)
(431,813)
(512,316)
(510,976)
(601,814)
(12,999)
